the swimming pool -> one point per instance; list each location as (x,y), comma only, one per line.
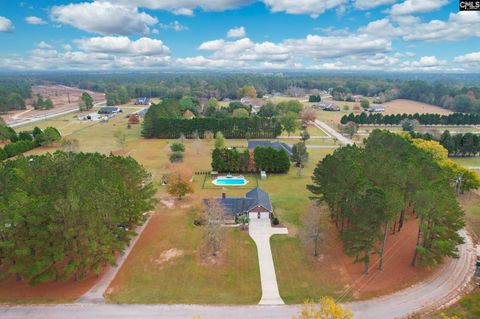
(230,181)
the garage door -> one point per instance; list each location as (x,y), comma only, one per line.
(253,215)
(264,215)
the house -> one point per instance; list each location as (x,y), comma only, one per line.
(252,101)
(252,144)
(143,101)
(188,115)
(90,117)
(328,107)
(109,110)
(376,109)
(256,203)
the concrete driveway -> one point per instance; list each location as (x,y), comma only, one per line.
(260,230)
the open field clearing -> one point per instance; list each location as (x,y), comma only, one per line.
(411,107)
(467,161)
(168,265)
(399,106)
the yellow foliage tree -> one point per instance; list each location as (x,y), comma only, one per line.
(327,308)
(464,178)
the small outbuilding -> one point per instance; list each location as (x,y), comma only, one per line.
(109,110)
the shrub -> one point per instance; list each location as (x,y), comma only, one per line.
(275,220)
(25,136)
(176,157)
(177,147)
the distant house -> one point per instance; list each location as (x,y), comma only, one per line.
(143,101)
(252,101)
(188,115)
(109,110)
(256,204)
(376,109)
(252,144)
(328,107)
(90,117)
(357,98)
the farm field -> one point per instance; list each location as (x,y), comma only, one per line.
(392,107)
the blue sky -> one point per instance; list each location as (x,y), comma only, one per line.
(374,35)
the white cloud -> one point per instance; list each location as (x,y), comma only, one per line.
(5,25)
(425,62)
(201,62)
(461,25)
(142,46)
(320,47)
(186,7)
(175,25)
(417,6)
(44,45)
(370,4)
(237,33)
(104,18)
(314,8)
(470,57)
(35,20)
(381,28)
(245,50)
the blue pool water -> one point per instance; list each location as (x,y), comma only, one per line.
(230,181)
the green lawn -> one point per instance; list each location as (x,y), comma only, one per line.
(299,277)
(467,161)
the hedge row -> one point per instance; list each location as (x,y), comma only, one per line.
(425,119)
(251,127)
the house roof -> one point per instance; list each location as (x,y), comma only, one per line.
(252,144)
(108,109)
(238,205)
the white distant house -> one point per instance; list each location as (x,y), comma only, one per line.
(109,110)
(376,109)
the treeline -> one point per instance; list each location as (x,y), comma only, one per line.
(58,222)
(467,144)
(13,95)
(424,119)
(164,120)
(264,159)
(26,141)
(379,185)
(251,127)
(458,97)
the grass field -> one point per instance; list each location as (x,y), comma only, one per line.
(168,266)
(299,275)
(467,161)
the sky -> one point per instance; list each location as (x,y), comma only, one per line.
(292,35)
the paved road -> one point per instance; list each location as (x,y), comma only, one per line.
(436,292)
(44,116)
(95,294)
(260,230)
(322,125)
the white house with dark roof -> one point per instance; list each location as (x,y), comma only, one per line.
(256,204)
